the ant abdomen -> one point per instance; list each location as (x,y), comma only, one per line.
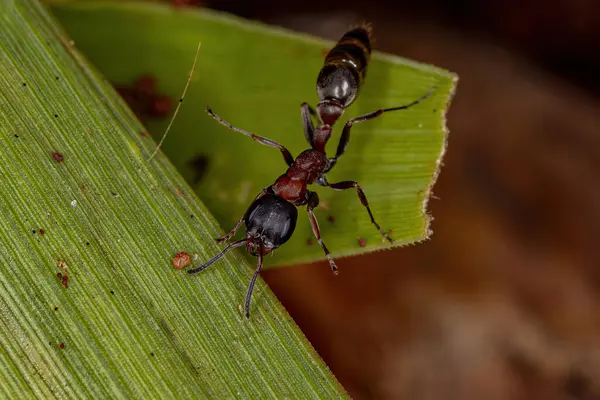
(338,82)
(342,74)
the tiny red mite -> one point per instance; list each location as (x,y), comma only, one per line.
(57,156)
(181,260)
(271,218)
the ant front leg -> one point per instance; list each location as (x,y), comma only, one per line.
(313,202)
(260,139)
(228,236)
(345,138)
(363,199)
(309,129)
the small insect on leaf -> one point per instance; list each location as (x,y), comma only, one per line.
(64,279)
(271,218)
(181,260)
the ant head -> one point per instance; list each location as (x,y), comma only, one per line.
(329,111)
(270,222)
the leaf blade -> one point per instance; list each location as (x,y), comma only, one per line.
(130,325)
(256,77)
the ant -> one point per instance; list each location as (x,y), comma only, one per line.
(271,218)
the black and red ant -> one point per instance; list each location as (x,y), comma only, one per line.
(271,218)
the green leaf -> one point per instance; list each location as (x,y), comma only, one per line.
(128,325)
(256,77)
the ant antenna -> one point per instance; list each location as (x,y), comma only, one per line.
(164,136)
(253,281)
(207,264)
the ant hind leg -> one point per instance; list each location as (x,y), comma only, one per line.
(345,138)
(363,199)
(307,121)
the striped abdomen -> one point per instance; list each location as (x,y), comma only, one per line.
(345,67)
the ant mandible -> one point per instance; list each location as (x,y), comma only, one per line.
(271,218)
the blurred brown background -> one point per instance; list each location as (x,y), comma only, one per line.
(502,302)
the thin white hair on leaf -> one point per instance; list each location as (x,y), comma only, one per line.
(164,136)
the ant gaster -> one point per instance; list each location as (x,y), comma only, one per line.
(271,218)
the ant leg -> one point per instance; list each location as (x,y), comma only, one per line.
(345,138)
(363,199)
(309,129)
(253,281)
(260,139)
(313,202)
(229,235)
